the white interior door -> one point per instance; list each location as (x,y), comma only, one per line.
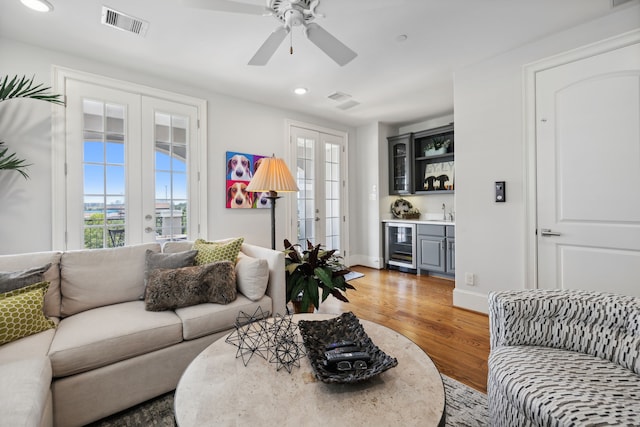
(588,173)
(320,177)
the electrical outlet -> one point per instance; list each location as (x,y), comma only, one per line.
(469,279)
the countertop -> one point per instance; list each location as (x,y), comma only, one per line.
(420,221)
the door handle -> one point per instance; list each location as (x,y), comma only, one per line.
(317,218)
(547,232)
(148,230)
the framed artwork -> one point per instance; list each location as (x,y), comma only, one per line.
(439,176)
(240,168)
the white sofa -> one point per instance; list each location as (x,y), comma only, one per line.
(107,352)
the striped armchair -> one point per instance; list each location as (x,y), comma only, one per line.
(564,358)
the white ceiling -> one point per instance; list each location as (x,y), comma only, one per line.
(395,82)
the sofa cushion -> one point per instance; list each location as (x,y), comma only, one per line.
(155,260)
(24,392)
(204,319)
(36,345)
(221,250)
(252,276)
(97,277)
(52,275)
(21,312)
(561,387)
(105,335)
(10,280)
(168,289)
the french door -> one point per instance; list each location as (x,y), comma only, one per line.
(320,211)
(131,168)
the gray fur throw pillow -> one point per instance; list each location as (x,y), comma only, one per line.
(154,260)
(182,287)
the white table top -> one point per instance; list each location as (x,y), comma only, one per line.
(217,389)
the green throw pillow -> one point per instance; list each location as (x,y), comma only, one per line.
(21,313)
(224,250)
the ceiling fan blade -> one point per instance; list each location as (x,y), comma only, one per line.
(269,47)
(330,45)
(228,6)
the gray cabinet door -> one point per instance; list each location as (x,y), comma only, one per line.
(451,255)
(400,160)
(432,253)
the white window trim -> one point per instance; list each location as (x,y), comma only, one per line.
(59,145)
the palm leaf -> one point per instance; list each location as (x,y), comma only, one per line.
(11,162)
(25,88)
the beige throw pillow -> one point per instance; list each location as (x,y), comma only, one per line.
(252,276)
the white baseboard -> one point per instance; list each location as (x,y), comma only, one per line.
(366,261)
(474,301)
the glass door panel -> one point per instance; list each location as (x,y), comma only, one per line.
(171,190)
(103,180)
(319,178)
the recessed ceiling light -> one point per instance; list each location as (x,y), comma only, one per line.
(300,90)
(39,5)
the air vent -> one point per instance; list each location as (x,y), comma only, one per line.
(348,104)
(124,22)
(339,96)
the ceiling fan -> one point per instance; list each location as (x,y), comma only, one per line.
(291,13)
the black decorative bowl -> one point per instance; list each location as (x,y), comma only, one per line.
(316,334)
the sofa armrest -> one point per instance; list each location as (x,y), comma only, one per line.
(277,281)
(600,324)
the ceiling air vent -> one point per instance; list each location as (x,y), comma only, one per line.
(339,96)
(616,3)
(124,22)
(348,104)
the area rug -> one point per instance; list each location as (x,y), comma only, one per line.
(353,275)
(465,407)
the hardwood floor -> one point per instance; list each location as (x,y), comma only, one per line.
(420,308)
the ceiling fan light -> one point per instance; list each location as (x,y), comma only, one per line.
(300,90)
(38,5)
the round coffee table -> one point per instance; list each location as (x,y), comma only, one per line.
(217,389)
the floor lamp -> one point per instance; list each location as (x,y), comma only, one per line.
(273,175)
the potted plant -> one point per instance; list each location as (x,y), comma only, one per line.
(311,270)
(21,88)
(436,145)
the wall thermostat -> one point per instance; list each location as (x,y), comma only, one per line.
(501,191)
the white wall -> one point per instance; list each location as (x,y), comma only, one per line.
(488,103)
(233,124)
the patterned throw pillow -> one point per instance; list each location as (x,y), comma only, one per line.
(10,280)
(168,289)
(224,250)
(21,313)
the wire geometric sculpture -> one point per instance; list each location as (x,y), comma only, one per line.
(276,341)
(286,346)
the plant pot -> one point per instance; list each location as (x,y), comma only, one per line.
(435,151)
(297,307)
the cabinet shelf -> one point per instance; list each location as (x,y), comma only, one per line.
(435,157)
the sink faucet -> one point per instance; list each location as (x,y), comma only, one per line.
(444,212)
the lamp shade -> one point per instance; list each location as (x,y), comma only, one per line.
(272,175)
